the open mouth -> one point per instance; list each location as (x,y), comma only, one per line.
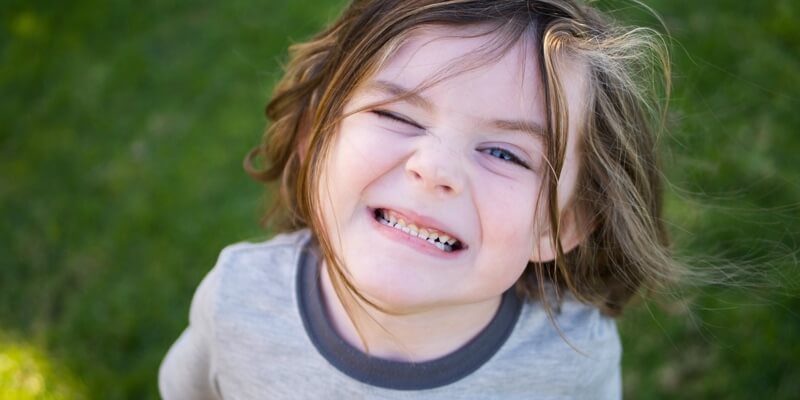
(444,241)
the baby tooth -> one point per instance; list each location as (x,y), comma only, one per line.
(444,243)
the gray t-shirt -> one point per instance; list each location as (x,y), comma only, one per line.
(258,330)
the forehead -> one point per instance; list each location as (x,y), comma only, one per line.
(466,72)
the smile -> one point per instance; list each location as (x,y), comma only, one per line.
(435,237)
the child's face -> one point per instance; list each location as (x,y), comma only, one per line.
(454,160)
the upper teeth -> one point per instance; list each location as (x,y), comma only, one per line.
(444,242)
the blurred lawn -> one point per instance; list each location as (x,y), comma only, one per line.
(123,126)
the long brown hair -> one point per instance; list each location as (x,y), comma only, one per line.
(619,183)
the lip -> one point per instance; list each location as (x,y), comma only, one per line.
(404,238)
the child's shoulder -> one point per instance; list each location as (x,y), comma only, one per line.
(574,325)
(250,273)
(249,292)
(292,242)
(279,252)
(579,344)
(584,322)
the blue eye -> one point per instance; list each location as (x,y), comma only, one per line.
(505,155)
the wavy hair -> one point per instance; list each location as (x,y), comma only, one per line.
(619,182)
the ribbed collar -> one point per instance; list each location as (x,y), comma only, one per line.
(389,373)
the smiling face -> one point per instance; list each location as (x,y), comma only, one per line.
(460,162)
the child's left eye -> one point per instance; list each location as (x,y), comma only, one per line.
(505,155)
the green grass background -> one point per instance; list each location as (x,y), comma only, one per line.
(122,129)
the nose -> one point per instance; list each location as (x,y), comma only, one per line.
(437,169)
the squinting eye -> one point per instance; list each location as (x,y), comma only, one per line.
(505,155)
(395,117)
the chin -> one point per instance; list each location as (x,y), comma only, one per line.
(396,298)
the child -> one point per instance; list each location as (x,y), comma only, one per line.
(472,193)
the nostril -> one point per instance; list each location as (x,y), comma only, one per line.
(433,175)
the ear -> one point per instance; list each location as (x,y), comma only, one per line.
(573,231)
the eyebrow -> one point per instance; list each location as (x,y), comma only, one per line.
(403,94)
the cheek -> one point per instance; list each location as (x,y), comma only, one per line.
(507,213)
(507,216)
(358,158)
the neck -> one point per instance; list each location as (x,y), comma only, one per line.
(417,336)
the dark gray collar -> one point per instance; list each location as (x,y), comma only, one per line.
(388,373)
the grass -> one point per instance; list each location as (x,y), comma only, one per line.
(122,129)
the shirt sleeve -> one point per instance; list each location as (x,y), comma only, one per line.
(187,371)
